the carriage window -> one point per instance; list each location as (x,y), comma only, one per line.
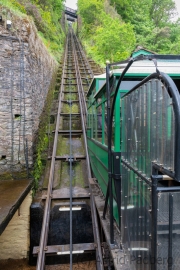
(106,128)
(128,85)
(94,121)
(101,82)
(94,90)
(105,125)
(90,117)
(99,123)
(113,131)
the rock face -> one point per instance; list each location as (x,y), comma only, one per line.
(26,69)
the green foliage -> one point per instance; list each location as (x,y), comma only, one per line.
(112,40)
(38,165)
(162,11)
(46,15)
(13,5)
(17,5)
(90,12)
(42,138)
(103,32)
(111,29)
(152,22)
(122,8)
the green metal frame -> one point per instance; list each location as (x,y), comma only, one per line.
(98,149)
(96,98)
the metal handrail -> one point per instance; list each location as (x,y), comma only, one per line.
(176,105)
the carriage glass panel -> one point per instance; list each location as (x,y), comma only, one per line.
(147,135)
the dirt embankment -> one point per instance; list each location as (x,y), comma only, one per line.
(23,265)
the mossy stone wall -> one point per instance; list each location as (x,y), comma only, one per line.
(26,74)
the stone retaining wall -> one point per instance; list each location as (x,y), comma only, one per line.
(26,69)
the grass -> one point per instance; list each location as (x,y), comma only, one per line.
(49,31)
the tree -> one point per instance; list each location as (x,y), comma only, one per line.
(106,35)
(113,40)
(124,8)
(90,12)
(162,11)
(151,20)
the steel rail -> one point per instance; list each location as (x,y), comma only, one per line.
(70,174)
(84,56)
(71,40)
(46,216)
(85,64)
(82,93)
(99,259)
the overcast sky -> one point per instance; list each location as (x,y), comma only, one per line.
(178,6)
(71,4)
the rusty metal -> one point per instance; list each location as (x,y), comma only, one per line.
(63,193)
(46,217)
(58,197)
(83,109)
(41,251)
(65,158)
(53,250)
(68,114)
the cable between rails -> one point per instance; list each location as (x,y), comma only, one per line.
(70,166)
(99,262)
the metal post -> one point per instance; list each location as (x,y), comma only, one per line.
(170,257)
(176,107)
(154,223)
(117,181)
(109,153)
(154,199)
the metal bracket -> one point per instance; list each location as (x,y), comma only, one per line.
(116,165)
(71,159)
(69,102)
(116,176)
(114,245)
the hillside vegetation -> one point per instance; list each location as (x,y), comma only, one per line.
(46,15)
(111,29)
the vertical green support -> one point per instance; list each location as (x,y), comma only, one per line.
(117,124)
(103,121)
(95,123)
(149,120)
(122,141)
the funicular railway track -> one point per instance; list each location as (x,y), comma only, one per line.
(70,151)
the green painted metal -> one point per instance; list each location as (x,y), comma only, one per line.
(147,111)
(103,123)
(117,124)
(98,158)
(98,146)
(141,52)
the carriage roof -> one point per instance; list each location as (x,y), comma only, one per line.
(142,68)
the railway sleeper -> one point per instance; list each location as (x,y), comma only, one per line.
(65,249)
(59,234)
